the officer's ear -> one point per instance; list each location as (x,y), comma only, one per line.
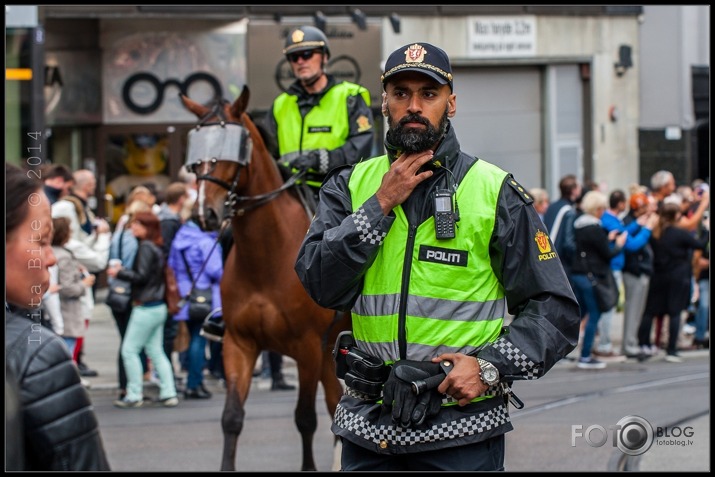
(452,105)
(384,104)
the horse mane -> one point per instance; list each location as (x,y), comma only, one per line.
(269,140)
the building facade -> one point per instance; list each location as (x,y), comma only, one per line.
(542,91)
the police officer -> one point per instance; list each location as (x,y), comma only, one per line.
(320,122)
(429,247)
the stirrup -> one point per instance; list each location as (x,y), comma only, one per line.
(213,330)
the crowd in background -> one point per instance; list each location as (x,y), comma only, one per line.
(655,241)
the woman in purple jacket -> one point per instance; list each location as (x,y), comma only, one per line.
(195,256)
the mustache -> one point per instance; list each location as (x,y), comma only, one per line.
(414,118)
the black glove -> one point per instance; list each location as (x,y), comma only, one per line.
(309,160)
(408,408)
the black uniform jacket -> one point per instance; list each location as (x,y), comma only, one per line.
(333,259)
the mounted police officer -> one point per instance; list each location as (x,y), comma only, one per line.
(430,247)
(320,122)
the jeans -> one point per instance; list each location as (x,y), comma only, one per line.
(71,342)
(604,324)
(146,330)
(122,321)
(636,289)
(196,354)
(702,315)
(588,297)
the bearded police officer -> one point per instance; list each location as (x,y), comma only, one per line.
(429,248)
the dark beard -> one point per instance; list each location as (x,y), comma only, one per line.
(412,140)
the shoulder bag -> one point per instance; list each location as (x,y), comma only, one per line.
(200,299)
(119,298)
(171,290)
(605,289)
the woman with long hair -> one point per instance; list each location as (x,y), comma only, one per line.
(146,321)
(670,287)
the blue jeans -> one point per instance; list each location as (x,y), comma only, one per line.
(604,324)
(588,298)
(146,330)
(71,342)
(196,354)
(702,315)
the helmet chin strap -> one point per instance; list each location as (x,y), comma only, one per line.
(313,79)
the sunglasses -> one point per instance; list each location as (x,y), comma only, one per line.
(306,55)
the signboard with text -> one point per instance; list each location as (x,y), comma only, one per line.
(498,37)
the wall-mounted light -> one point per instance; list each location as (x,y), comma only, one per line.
(395,21)
(359,18)
(320,20)
(624,60)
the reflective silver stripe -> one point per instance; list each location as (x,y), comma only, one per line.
(387,351)
(436,308)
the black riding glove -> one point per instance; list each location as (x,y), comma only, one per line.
(409,408)
(311,161)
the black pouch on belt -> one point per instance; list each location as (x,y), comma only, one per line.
(361,371)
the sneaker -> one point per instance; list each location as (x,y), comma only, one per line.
(85,372)
(281,385)
(197,393)
(127,404)
(647,350)
(85,383)
(169,402)
(609,356)
(701,344)
(590,363)
(673,358)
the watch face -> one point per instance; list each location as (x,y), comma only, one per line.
(490,375)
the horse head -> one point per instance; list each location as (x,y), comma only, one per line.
(228,155)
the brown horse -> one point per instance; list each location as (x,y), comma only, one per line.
(264,304)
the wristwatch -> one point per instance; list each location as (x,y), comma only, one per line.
(488,373)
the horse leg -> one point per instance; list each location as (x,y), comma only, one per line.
(238,368)
(231,425)
(306,419)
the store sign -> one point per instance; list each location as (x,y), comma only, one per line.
(148,63)
(499,37)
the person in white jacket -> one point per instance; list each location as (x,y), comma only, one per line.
(89,242)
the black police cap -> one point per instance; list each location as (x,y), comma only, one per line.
(422,58)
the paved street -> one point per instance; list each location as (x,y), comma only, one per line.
(189,438)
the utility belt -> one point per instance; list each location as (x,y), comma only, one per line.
(365,375)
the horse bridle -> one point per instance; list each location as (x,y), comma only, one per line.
(212,142)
